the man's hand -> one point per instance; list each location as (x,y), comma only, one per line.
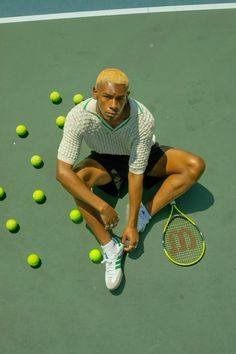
(130,238)
(109,217)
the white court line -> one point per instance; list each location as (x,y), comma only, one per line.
(141,10)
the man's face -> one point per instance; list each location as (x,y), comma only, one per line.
(111,99)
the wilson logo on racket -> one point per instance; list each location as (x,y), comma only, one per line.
(181,240)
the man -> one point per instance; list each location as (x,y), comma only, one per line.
(120,132)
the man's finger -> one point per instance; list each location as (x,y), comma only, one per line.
(126,243)
(129,247)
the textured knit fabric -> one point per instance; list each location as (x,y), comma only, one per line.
(133,137)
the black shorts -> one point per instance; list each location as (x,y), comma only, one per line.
(118,167)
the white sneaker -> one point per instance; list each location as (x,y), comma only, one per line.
(113,273)
(143,218)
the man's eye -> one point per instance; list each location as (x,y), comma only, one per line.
(118,98)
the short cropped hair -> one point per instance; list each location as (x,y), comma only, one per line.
(113,75)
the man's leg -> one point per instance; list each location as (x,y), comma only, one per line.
(92,173)
(181,169)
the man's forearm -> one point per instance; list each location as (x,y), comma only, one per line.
(135,187)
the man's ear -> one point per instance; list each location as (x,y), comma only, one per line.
(127,96)
(95,93)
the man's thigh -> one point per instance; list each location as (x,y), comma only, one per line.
(92,172)
(173,161)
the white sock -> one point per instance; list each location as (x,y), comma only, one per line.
(145,212)
(108,248)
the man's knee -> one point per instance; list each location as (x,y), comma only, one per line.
(195,167)
(86,176)
(91,173)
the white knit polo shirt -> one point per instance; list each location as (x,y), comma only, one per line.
(133,137)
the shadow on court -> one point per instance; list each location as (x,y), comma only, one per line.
(198,198)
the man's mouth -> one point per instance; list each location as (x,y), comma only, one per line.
(113,114)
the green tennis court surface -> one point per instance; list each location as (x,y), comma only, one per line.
(182,67)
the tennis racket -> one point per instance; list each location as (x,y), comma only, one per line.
(182,240)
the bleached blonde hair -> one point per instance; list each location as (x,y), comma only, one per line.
(113,75)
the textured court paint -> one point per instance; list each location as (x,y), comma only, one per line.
(182,67)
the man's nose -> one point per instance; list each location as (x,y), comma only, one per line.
(114,104)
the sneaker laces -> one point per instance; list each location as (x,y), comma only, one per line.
(110,264)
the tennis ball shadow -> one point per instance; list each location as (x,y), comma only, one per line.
(39,166)
(77,221)
(37,265)
(23,136)
(99,261)
(57,102)
(42,201)
(16,230)
(3,197)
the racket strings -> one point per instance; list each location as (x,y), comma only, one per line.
(183,241)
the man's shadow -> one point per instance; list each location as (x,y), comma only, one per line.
(197,198)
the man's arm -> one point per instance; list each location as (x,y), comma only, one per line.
(135,188)
(73,184)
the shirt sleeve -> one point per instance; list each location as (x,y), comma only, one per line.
(70,144)
(142,142)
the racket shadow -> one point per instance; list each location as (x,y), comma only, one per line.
(198,198)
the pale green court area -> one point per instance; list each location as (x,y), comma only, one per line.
(182,67)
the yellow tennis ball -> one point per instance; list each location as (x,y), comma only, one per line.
(95,255)
(38,196)
(33,260)
(36,161)
(60,121)
(21,130)
(78,98)
(75,215)
(55,96)
(11,225)
(2,193)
